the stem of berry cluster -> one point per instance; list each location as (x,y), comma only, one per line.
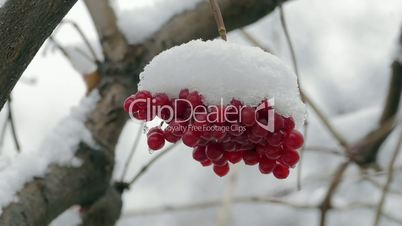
(218,18)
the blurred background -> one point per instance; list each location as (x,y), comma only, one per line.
(344,50)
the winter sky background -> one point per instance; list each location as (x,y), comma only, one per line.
(344,50)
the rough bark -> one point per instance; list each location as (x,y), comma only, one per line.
(24,26)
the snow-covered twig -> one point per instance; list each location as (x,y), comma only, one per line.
(388,182)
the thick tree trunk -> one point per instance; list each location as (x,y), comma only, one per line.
(24,26)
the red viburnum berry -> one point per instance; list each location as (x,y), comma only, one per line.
(154,130)
(221,170)
(289,124)
(206,163)
(199,154)
(294,140)
(191,138)
(169,136)
(184,93)
(214,151)
(258,130)
(278,122)
(273,153)
(220,162)
(194,98)
(290,158)
(177,128)
(281,171)
(250,157)
(156,141)
(234,156)
(248,116)
(266,165)
(275,139)
(229,147)
(127,104)
(142,98)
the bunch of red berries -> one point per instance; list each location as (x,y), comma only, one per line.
(220,135)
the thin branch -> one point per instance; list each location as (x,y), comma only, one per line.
(114,44)
(3,132)
(84,38)
(253,40)
(216,10)
(324,119)
(213,204)
(289,41)
(326,203)
(12,126)
(324,150)
(150,163)
(388,182)
(133,149)
(223,218)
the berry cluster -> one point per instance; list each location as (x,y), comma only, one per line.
(220,135)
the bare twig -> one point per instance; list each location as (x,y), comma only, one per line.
(215,203)
(289,41)
(253,40)
(223,218)
(84,38)
(326,203)
(12,126)
(150,163)
(216,10)
(324,150)
(133,149)
(3,132)
(388,182)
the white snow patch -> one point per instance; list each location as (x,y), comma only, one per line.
(223,70)
(58,148)
(140,22)
(2,2)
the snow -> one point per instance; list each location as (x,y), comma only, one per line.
(58,148)
(222,70)
(139,22)
(2,2)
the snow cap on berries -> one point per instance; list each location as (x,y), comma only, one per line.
(222,70)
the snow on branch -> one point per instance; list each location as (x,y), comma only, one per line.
(58,148)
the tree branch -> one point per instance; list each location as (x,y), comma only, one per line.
(113,42)
(25,25)
(368,155)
